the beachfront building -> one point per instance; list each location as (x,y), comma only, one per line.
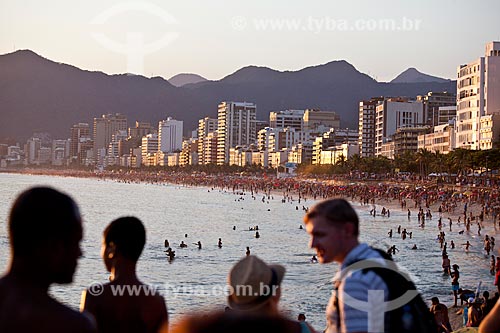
(339,153)
(210,148)
(432,101)
(406,139)
(205,126)
(314,118)
(236,126)
(489,131)
(170,135)
(478,95)
(301,153)
(392,114)
(32,150)
(104,128)
(366,126)
(149,149)
(79,134)
(332,138)
(60,152)
(243,156)
(189,152)
(441,139)
(113,153)
(287,118)
(387,149)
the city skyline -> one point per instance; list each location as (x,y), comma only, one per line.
(215,39)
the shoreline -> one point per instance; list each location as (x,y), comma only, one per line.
(382,194)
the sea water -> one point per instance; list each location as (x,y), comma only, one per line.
(195,280)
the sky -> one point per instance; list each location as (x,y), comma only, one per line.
(215,38)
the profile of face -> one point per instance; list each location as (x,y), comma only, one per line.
(329,240)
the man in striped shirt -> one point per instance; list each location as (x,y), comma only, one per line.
(359,299)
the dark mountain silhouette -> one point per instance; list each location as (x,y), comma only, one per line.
(39,95)
(412,75)
(182,79)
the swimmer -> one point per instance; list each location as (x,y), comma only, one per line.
(167,244)
(314,259)
(199,245)
(182,244)
(414,247)
(257,235)
(220,243)
(248,251)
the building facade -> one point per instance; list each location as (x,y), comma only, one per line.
(366,126)
(478,95)
(392,114)
(235,127)
(170,135)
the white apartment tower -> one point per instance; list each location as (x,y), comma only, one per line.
(170,135)
(478,95)
(236,127)
(205,126)
(395,113)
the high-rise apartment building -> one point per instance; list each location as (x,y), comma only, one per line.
(79,133)
(149,149)
(478,95)
(104,128)
(170,135)
(395,113)
(432,102)
(236,127)
(287,118)
(205,126)
(366,126)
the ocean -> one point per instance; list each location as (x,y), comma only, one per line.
(195,280)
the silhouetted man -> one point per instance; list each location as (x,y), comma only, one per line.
(45,232)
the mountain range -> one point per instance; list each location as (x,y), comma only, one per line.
(40,95)
(412,75)
(182,79)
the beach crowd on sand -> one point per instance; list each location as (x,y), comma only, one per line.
(469,209)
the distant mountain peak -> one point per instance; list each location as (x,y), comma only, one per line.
(182,79)
(413,75)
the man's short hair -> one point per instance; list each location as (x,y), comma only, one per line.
(128,235)
(336,211)
(40,215)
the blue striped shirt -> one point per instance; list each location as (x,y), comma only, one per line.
(362,296)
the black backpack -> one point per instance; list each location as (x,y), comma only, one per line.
(412,317)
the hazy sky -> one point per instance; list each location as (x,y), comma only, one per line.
(215,38)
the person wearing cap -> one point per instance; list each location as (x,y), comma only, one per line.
(334,229)
(473,315)
(255,289)
(440,313)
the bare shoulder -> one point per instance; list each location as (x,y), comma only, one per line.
(28,311)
